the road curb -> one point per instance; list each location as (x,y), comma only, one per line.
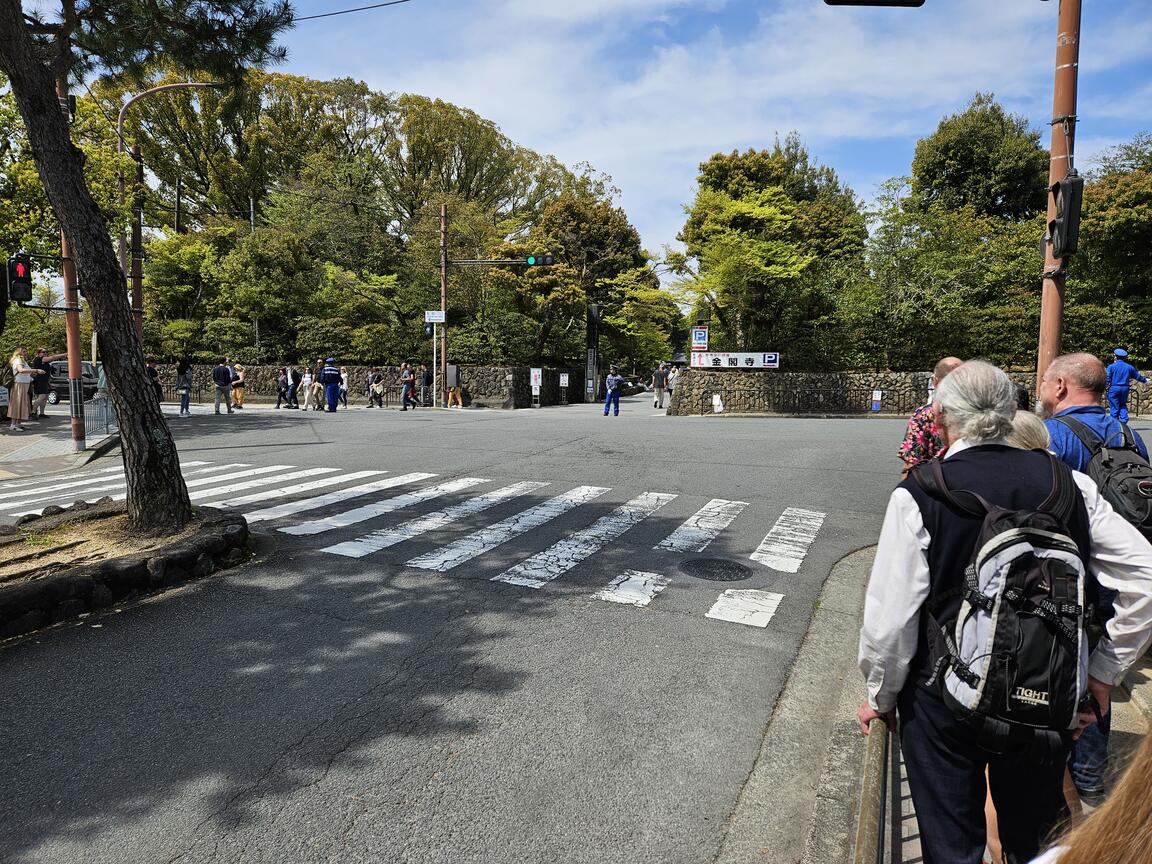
(799,803)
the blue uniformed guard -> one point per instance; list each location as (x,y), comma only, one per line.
(330,377)
(612,385)
(1120,375)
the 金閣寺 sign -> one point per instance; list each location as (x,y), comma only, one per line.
(736,360)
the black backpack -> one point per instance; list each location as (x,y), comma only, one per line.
(1015,664)
(1123,476)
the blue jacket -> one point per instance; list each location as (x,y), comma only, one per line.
(330,375)
(1120,375)
(1067,447)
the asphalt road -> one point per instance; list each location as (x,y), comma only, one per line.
(313,707)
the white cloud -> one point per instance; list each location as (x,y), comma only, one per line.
(627,86)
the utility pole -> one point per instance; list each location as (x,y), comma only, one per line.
(444,303)
(71,317)
(1063,149)
(138,247)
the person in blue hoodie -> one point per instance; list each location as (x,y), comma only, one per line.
(1120,375)
(330,377)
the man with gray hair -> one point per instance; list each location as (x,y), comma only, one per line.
(925,547)
(922,441)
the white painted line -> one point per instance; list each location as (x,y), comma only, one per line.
(386,537)
(633,587)
(379,508)
(545,566)
(787,543)
(306,504)
(259,481)
(71,484)
(702,527)
(238,475)
(486,539)
(745,606)
(269,494)
(32,481)
(92,493)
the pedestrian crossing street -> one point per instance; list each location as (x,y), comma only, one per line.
(341,512)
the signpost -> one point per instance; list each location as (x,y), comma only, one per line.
(700,337)
(736,360)
(563,388)
(536,379)
(434,317)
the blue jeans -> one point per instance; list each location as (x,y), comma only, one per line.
(612,397)
(945,768)
(1118,403)
(185,398)
(406,398)
(1088,760)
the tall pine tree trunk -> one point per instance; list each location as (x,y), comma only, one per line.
(157,497)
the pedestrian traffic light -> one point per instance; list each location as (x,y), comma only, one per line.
(1065,228)
(907,3)
(539,260)
(429,331)
(20,278)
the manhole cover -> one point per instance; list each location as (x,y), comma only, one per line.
(716,569)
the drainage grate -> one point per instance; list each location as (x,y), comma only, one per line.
(715,569)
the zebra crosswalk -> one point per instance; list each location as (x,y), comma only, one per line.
(369,512)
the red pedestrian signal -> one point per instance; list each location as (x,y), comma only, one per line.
(20,278)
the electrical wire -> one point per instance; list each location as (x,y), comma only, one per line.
(346,11)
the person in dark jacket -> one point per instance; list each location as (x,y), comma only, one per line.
(154,377)
(184,386)
(222,378)
(330,377)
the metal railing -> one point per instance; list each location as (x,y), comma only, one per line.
(100,416)
(801,401)
(872,817)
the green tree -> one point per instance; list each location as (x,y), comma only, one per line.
(983,158)
(37,54)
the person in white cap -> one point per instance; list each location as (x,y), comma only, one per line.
(1120,376)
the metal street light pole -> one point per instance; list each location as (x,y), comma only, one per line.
(137,209)
(1063,148)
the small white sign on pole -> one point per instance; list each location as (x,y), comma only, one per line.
(536,378)
(736,360)
(699,338)
(563,379)
(535,389)
(434,316)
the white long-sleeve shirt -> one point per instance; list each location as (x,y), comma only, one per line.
(1121,559)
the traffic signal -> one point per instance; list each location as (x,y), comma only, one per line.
(1065,228)
(908,3)
(539,260)
(19,278)
(429,331)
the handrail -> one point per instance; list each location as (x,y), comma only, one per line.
(872,817)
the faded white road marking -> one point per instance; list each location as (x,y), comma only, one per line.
(545,566)
(14,483)
(379,508)
(486,539)
(386,537)
(633,587)
(269,494)
(46,491)
(746,606)
(259,481)
(702,527)
(787,543)
(336,497)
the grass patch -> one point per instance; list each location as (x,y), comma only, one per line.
(34,538)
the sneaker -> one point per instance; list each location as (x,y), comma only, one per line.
(218,413)
(229,410)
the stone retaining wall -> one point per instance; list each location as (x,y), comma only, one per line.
(28,606)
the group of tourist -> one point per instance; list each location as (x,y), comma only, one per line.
(31,385)
(1011,591)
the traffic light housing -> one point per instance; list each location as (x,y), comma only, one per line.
(1065,228)
(539,260)
(429,330)
(20,278)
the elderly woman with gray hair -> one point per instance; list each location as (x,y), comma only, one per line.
(926,545)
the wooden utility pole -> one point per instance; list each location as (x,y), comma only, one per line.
(444,303)
(71,317)
(1063,149)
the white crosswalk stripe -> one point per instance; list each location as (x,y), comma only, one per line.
(703,526)
(545,566)
(287,491)
(70,484)
(107,489)
(486,539)
(9,485)
(379,508)
(386,537)
(786,545)
(259,481)
(746,606)
(633,587)
(291,508)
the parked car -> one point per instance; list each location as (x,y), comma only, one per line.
(59,381)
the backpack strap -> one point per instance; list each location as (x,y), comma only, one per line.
(1061,501)
(929,476)
(1129,438)
(1087,437)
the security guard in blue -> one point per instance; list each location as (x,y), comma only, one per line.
(612,390)
(1120,374)
(330,377)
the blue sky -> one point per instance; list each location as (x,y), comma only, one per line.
(647,89)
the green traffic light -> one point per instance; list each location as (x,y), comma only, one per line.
(531,260)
